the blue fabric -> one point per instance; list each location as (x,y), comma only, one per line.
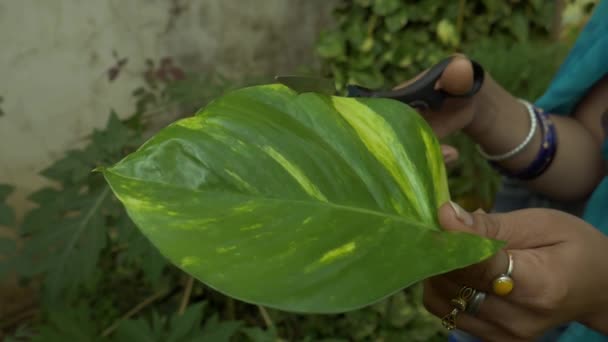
(585,65)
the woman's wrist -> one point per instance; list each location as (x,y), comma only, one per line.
(501,123)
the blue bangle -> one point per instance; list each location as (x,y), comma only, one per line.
(545,155)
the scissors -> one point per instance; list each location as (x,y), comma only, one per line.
(420,94)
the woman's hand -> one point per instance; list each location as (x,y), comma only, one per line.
(455,113)
(560,274)
(498,123)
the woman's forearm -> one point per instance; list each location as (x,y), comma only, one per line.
(502,123)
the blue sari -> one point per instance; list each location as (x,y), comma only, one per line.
(585,65)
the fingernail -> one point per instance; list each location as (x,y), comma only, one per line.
(480,211)
(461,214)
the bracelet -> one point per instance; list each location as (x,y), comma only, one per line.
(521,146)
(545,155)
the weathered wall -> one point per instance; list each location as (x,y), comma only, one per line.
(54,56)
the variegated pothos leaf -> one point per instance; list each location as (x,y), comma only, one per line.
(302,202)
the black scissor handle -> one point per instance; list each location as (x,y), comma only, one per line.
(421,93)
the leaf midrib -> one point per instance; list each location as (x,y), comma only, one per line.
(318,203)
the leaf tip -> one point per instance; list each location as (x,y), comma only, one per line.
(101,169)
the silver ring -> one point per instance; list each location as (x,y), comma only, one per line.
(475,303)
(510,267)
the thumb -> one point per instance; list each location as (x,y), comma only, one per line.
(521,229)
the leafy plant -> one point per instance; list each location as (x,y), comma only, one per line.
(307,203)
(78,245)
(68,230)
(385,42)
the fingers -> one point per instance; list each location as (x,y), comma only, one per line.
(496,316)
(457,78)
(437,304)
(480,276)
(522,229)
(527,242)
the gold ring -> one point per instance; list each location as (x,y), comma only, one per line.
(460,304)
(503,284)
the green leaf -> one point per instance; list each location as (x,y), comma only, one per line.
(370,78)
(519,27)
(214,330)
(305,203)
(330,45)
(396,21)
(384,7)
(64,247)
(135,330)
(8,246)
(67,324)
(536,4)
(258,335)
(447,33)
(187,324)
(7,215)
(363,3)
(177,328)
(115,136)
(140,251)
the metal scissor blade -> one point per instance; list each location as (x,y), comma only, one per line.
(306,84)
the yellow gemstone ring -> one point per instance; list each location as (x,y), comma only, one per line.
(503,284)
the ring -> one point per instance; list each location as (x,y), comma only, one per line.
(503,284)
(473,307)
(460,303)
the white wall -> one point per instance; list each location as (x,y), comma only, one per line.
(54,55)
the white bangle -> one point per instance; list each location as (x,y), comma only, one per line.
(526,142)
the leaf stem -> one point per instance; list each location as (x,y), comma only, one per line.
(266,318)
(230,308)
(186,296)
(460,18)
(137,308)
(81,228)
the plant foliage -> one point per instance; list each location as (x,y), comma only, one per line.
(303,202)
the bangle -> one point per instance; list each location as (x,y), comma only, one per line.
(521,146)
(545,155)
